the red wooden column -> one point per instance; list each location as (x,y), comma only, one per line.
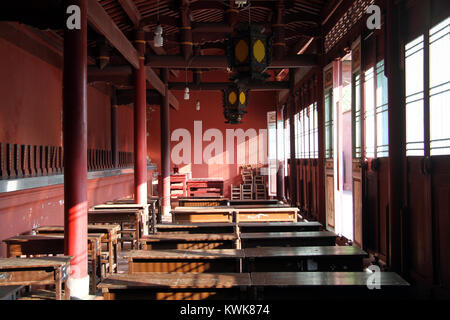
(140,124)
(75,151)
(114,136)
(165,149)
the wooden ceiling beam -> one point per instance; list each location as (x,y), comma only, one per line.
(132,11)
(221,62)
(256,86)
(99,19)
(123,75)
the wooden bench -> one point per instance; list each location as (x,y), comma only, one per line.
(35,245)
(285,259)
(37,271)
(195,261)
(175,286)
(325,285)
(189,241)
(123,217)
(292,239)
(111,236)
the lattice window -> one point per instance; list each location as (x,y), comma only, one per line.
(346,22)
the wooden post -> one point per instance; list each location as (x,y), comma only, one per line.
(165,149)
(280,166)
(114,136)
(140,123)
(293,164)
(396,116)
(75,151)
(321,216)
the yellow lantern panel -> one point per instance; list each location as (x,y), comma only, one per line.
(232,97)
(259,50)
(242,98)
(241,51)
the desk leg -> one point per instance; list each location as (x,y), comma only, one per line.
(111,258)
(58,283)
(93,267)
(116,269)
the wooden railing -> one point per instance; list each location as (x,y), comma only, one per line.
(22,161)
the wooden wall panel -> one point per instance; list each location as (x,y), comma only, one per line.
(330,200)
(419,224)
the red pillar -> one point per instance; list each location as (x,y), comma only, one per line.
(140,122)
(165,149)
(75,152)
(114,136)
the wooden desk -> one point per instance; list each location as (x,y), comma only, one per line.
(176,286)
(205,227)
(279,226)
(193,261)
(255,202)
(10,292)
(325,285)
(153,203)
(202,202)
(284,259)
(37,271)
(144,208)
(266,214)
(292,239)
(202,214)
(32,245)
(189,241)
(122,216)
(111,235)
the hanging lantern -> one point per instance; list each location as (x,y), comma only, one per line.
(249,52)
(235,101)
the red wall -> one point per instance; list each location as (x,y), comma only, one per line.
(30,114)
(211,115)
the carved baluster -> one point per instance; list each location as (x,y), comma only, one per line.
(10,160)
(32,160)
(3,172)
(37,162)
(48,157)
(43,161)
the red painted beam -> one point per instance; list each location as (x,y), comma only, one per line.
(75,151)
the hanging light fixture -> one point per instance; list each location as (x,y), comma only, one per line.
(235,101)
(249,51)
(197,105)
(186,90)
(158,39)
(240,3)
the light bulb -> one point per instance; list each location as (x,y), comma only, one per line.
(240,3)
(186,93)
(197,105)
(158,40)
